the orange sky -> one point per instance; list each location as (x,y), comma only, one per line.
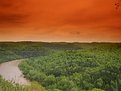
(60,20)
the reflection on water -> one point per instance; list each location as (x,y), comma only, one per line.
(11,72)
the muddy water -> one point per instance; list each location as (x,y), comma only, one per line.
(10,71)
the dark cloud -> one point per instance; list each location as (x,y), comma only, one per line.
(11,12)
(60,19)
(12,18)
(11,3)
(5,3)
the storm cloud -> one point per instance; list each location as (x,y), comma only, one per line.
(11,12)
(69,20)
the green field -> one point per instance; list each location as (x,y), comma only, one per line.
(66,66)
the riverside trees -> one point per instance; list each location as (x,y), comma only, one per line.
(93,67)
(68,66)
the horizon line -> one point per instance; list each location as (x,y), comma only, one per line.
(65,41)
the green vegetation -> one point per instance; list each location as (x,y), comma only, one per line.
(19,50)
(11,51)
(7,86)
(91,66)
(68,66)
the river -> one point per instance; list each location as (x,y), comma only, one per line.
(11,72)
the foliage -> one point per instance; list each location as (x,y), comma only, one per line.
(92,66)
(66,66)
(7,86)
